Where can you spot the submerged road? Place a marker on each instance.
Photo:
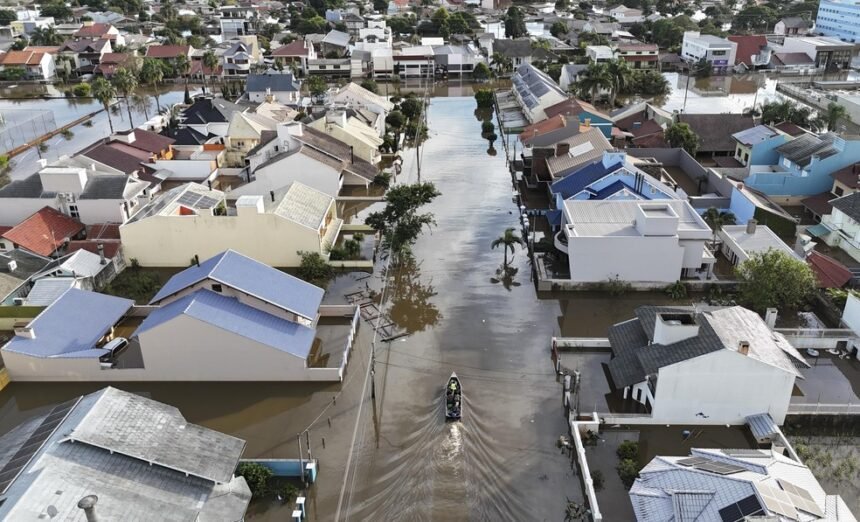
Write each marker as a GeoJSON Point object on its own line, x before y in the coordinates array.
{"type": "Point", "coordinates": [500, 462]}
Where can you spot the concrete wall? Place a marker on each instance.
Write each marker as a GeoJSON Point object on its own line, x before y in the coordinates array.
{"type": "Point", "coordinates": [23, 368]}
{"type": "Point", "coordinates": [631, 258]}
{"type": "Point", "coordinates": [172, 241]}
{"type": "Point", "coordinates": [297, 167]}
{"type": "Point", "coordinates": [851, 313]}
{"type": "Point", "coordinates": [725, 386]}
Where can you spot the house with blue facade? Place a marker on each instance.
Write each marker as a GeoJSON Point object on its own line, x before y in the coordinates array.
{"type": "Point", "coordinates": [757, 145]}
{"type": "Point", "coordinates": [613, 177]}
{"type": "Point", "coordinates": [840, 19]}
{"type": "Point", "coordinates": [799, 167]}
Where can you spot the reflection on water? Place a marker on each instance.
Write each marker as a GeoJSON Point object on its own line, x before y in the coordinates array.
{"type": "Point", "coordinates": [410, 305]}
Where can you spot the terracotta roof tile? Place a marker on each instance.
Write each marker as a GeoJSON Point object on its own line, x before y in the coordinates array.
{"type": "Point", "coordinates": [44, 232]}
{"type": "Point", "coordinates": [848, 176]}
{"type": "Point", "coordinates": [166, 51]}
{"type": "Point", "coordinates": [93, 30]}
{"type": "Point", "coordinates": [829, 272]}
{"type": "Point", "coordinates": [16, 58]}
{"type": "Point", "coordinates": [541, 127]}
{"type": "Point", "coordinates": [294, 48]}
{"type": "Point", "coordinates": [748, 45]}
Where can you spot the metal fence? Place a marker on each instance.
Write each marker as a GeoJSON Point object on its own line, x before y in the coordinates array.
{"type": "Point", "coordinates": [823, 409]}
{"type": "Point", "coordinates": [19, 126]}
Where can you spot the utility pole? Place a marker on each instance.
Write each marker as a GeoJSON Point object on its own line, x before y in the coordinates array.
{"type": "Point", "coordinates": [301, 461]}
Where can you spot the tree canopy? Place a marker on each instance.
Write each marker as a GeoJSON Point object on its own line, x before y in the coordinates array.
{"type": "Point", "coordinates": [400, 222]}
{"type": "Point", "coordinates": [774, 279]}
{"type": "Point", "coordinates": [680, 135]}
{"type": "Point", "coordinates": [515, 23]}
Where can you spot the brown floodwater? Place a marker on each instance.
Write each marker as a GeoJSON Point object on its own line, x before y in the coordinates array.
{"type": "Point", "coordinates": [405, 463]}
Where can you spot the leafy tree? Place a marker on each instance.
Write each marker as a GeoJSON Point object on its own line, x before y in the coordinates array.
{"type": "Point", "coordinates": [830, 117]}
{"type": "Point", "coordinates": [104, 92]}
{"type": "Point", "coordinates": [400, 222]}
{"type": "Point", "coordinates": [717, 220]}
{"type": "Point", "coordinates": [669, 32]}
{"type": "Point", "coordinates": [515, 23]}
{"type": "Point", "coordinates": [58, 11]}
{"type": "Point", "coordinates": [182, 66]}
{"type": "Point", "coordinates": [125, 83]}
{"type": "Point", "coordinates": [628, 449]}
{"type": "Point", "coordinates": [508, 241]}
{"type": "Point", "coordinates": [778, 112]}
{"type": "Point", "coordinates": [402, 24]}
{"type": "Point", "coordinates": [152, 74]}
{"type": "Point", "coordinates": [755, 18]}
{"type": "Point", "coordinates": [7, 17]}
{"type": "Point", "coordinates": [620, 76]}
{"type": "Point", "coordinates": [396, 120]}
{"type": "Point", "coordinates": [628, 472]}
{"type": "Point", "coordinates": [484, 97]}
{"type": "Point", "coordinates": [648, 83]}
{"type": "Point", "coordinates": [774, 279]}
{"type": "Point", "coordinates": [481, 71]}
{"type": "Point", "coordinates": [680, 135]}
{"type": "Point", "coordinates": [257, 476]}
{"type": "Point", "coordinates": [380, 5]}
{"type": "Point", "coordinates": [501, 62]}
{"type": "Point", "coordinates": [458, 24]}
{"type": "Point", "coordinates": [317, 24]}
{"type": "Point", "coordinates": [317, 86]}
{"type": "Point", "coordinates": [703, 69]}
{"type": "Point", "coordinates": [314, 269]}
{"type": "Point", "coordinates": [19, 44]}
{"type": "Point", "coordinates": [370, 85]}
{"type": "Point", "coordinates": [411, 107]}
{"type": "Point", "coordinates": [558, 29]}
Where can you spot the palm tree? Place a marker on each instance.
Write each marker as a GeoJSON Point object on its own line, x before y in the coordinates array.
{"type": "Point", "coordinates": [152, 74]}
{"type": "Point", "coordinates": [104, 92]}
{"type": "Point", "coordinates": [210, 61]}
{"type": "Point", "coordinates": [593, 80]}
{"type": "Point", "coordinates": [46, 36]}
{"type": "Point", "coordinates": [508, 241]}
{"type": "Point", "coordinates": [141, 102]}
{"type": "Point", "coordinates": [831, 116]}
{"type": "Point", "coordinates": [716, 220]}
{"type": "Point", "coordinates": [183, 67]}
{"type": "Point", "coordinates": [125, 83]}
{"type": "Point", "coordinates": [620, 75]}
{"type": "Point", "coordinates": [501, 62]}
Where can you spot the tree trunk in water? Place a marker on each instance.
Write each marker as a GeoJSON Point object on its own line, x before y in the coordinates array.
{"type": "Point", "coordinates": [157, 103]}
{"type": "Point", "coordinates": [128, 106]}
{"type": "Point", "coordinates": [506, 256]}
{"type": "Point", "coordinates": [110, 122]}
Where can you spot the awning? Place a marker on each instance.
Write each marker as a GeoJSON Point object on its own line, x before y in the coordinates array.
{"type": "Point", "coordinates": [818, 230]}
{"type": "Point", "coordinates": [554, 217]}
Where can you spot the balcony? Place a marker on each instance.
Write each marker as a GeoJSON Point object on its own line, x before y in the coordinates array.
{"type": "Point", "coordinates": [561, 241]}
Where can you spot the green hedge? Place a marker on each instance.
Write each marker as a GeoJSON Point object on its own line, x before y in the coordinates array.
{"type": "Point", "coordinates": [20, 311]}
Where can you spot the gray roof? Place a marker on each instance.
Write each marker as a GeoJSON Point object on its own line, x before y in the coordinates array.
{"type": "Point", "coordinates": [71, 326]}
{"type": "Point", "coordinates": [848, 205]}
{"type": "Point", "coordinates": [715, 130]}
{"type": "Point", "coordinates": [795, 22]}
{"type": "Point", "coordinates": [141, 458]}
{"type": "Point", "coordinates": [337, 38]}
{"type": "Point", "coordinates": [634, 358]}
{"type": "Point", "coordinates": [99, 186]}
{"type": "Point", "coordinates": [276, 82]}
{"type": "Point", "coordinates": [585, 148]}
{"type": "Point", "coordinates": [754, 135]}
{"type": "Point", "coordinates": [231, 315]}
{"type": "Point", "coordinates": [304, 205]}
{"type": "Point", "coordinates": [801, 149]}
{"type": "Point", "coordinates": [47, 290]}
{"type": "Point", "coordinates": [251, 277]}
{"type": "Point", "coordinates": [518, 48]}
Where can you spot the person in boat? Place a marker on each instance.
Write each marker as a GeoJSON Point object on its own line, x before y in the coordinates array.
{"type": "Point", "coordinates": [452, 387]}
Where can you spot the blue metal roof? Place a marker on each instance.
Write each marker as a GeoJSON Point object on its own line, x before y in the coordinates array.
{"type": "Point", "coordinates": [229, 314]}
{"type": "Point", "coordinates": [251, 277]}
{"type": "Point", "coordinates": [614, 187]}
{"type": "Point", "coordinates": [72, 325]}
{"type": "Point", "coordinates": [576, 182]}
{"type": "Point", "coordinates": [554, 217]}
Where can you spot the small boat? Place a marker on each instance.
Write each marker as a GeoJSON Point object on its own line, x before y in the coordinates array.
{"type": "Point", "coordinates": [812, 352]}
{"type": "Point", "coordinates": [453, 398]}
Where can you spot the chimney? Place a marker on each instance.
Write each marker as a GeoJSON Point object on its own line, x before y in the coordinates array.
{"type": "Point", "coordinates": [587, 122]}
{"type": "Point", "coordinates": [770, 317]}
{"type": "Point", "coordinates": [751, 224]}
{"type": "Point", "coordinates": [744, 347]}
{"type": "Point", "coordinates": [101, 249]}
{"type": "Point", "coordinates": [24, 330]}
{"type": "Point", "coordinates": [562, 148]}
{"type": "Point", "coordinates": [88, 504]}
{"type": "Point", "coordinates": [196, 260]}
{"type": "Point", "coordinates": [272, 195]}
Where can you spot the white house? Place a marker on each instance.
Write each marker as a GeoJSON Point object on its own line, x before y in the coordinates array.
{"type": "Point", "coordinates": [843, 225]}
{"type": "Point", "coordinates": [599, 53]}
{"type": "Point", "coordinates": [643, 242]}
{"type": "Point", "coordinates": [312, 157]}
{"type": "Point", "coordinates": [716, 367]}
{"type": "Point", "coordinates": [535, 91]}
{"type": "Point", "coordinates": [570, 75]}
{"type": "Point", "coordinates": [719, 52]}
{"type": "Point", "coordinates": [626, 15]}
{"type": "Point", "coordinates": [191, 221]}
{"type": "Point", "coordinates": [733, 484]}
{"type": "Point", "coordinates": [354, 95]}
{"type": "Point", "coordinates": [282, 88]}
{"type": "Point", "coordinates": [363, 139]}
{"type": "Point", "coordinates": [739, 242]}
{"type": "Point", "coordinates": [35, 63]}
{"type": "Point", "coordinates": [88, 195]}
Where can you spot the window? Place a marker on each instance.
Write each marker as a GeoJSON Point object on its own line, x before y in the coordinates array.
{"type": "Point", "coordinates": [73, 211]}
{"type": "Point", "coordinates": [838, 190]}
{"type": "Point", "coordinates": [217, 288]}
{"type": "Point", "coordinates": [322, 67]}
{"type": "Point", "coordinates": [2, 246]}
{"type": "Point", "coordinates": [786, 163]}
{"type": "Point", "coordinates": [718, 53]}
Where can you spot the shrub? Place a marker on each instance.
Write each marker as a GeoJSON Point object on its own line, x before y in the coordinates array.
{"type": "Point", "coordinates": [257, 476]}
{"type": "Point", "coordinates": [597, 478]}
{"type": "Point", "coordinates": [88, 123]}
{"type": "Point", "coordinates": [615, 286]}
{"type": "Point", "coordinates": [629, 449]}
{"type": "Point", "coordinates": [289, 492]}
{"type": "Point", "coordinates": [314, 269]}
{"type": "Point", "coordinates": [82, 90]}
{"type": "Point", "coordinates": [484, 97]}
{"type": "Point", "coordinates": [628, 472]}
{"type": "Point", "coordinates": [68, 134]}
{"type": "Point", "coordinates": [43, 147]}
{"type": "Point", "coordinates": [676, 290]}
{"type": "Point", "coordinates": [487, 127]}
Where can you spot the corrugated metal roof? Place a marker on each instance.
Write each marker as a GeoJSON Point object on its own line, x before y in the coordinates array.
{"type": "Point", "coordinates": [228, 313]}
{"type": "Point", "coordinates": [304, 205]}
{"type": "Point", "coordinates": [47, 290]}
{"type": "Point", "coordinates": [560, 166]}
{"type": "Point", "coordinates": [251, 277]}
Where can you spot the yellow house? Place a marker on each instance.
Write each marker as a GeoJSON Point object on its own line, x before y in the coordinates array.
{"type": "Point", "coordinates": [362, 138]}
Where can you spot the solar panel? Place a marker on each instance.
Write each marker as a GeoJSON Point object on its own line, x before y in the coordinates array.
{"type": "Point", "coordinates": [720, 468]}
{"type": "Point", "coordinates": [745, 507]}
{"type": "Point", "coordinates": [776, 500]}
{"type": "Point", "coordinates": [801, 498]}
{"type": "Point", "coordinates": [207, 202]}
{"type": "Point", "coordinates": [33, 443]}
{"type": "Point", "coordinates": [189, 199]}
{"type": "Point", "coordinates": [692, 461]}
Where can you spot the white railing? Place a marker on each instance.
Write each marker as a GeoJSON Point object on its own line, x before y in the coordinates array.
{"type": "Point", "coordinates": [561, 242]}
{"type": "Point", "coordinates": [818, 333]}
{"type": "Point", "coordinates": [823, 409]}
